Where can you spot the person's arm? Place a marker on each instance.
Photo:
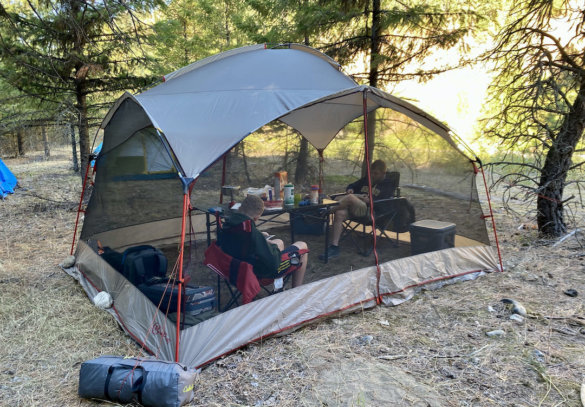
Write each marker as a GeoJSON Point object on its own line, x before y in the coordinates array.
{"type": "Point", "coordinates": [356, 186]}
{"type": "Point", "coordinates": [266, 254]}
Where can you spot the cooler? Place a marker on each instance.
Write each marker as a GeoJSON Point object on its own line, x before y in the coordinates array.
{"type": "Point", "coordinates": [196, 299]}
{"type": "Point", "coordinates": [430, 235]}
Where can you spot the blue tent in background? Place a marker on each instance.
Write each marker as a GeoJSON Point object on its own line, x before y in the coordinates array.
{"type": "Point", "coordinates": [7, 180]}
{"type": "Point", "coordinates": [95, 153]}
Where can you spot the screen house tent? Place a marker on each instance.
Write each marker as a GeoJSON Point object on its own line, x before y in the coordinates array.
{"type": "Point", "coordinates": [7, 180]}
{"type": "Point", "coordinates": [160, 146]}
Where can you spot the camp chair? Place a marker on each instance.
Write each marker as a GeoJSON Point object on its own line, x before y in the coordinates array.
{"type": "Point", "coordinates": [238, 275]}
{"type": "Point", "coordinates": [234, 273]}
{"type": "Point", "coordinates": [391, 213]}
{"type": "Point", "coordinates": [239, 278]}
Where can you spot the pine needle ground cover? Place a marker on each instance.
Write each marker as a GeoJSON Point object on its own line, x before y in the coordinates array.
{"type": "Point", "coordinates": [433, 349]}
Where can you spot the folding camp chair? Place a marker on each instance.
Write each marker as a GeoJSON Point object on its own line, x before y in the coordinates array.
{"type": "Point", "coordinates": [390, 214]}
{"type": "Point", "coordinates": [394, 214]}
{"type": "Point", "coordinates": [238, 275]}
{"type": "Point", "coordinates": [239, 278]}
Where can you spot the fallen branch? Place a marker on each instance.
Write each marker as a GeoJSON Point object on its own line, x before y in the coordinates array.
{"type": "Point", "coordinates": [475, 352]}
{"type": "Point", "coordinates": [577, 320]}
{"type": "Point", "coordinates": [392, 357]}
{"type": "Point", "coordinates": [562, 239]}
{"type": "Point", "coordinates": [48, 199]}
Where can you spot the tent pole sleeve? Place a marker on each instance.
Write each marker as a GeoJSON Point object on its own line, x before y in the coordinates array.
{"type": "Point", "coordinates": [491, 215]}
{"type": "Point", "coordinates": [372, 217]}
{"type": "Point", "coordinates": [79, 210]}
{"type": "Point", "coordinates": [181, 282]}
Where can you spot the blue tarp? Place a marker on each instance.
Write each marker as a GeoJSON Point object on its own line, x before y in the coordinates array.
{"type": "Point", "coordinates": [96, 152]}
{"type": "Point", "coordinates": [7, 180]}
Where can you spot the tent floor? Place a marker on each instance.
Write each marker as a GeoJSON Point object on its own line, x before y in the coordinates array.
{"type": "Point", "coordinates": [349, 258]}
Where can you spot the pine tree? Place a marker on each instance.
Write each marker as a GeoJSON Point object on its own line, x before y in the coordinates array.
{"type": "Point", "coordinates": [74, 55]}
{"type": "Point", "coordinates": [393, 39]}
{"type": "Point", "coordinates": [539, 98]}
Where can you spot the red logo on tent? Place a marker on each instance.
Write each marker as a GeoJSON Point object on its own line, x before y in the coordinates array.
{"type": "Point", "coordinates": [158, 330]}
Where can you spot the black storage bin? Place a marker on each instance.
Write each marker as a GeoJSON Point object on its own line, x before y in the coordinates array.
{"type": "Point", "coordinates": [311, 221]}
{"type": "Point", "coordinates": [430, 235]}
{"type": "Point", "coordinates": [195, 300]}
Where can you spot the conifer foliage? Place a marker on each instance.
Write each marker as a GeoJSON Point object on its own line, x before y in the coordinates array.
{"type": "Point", "coordinates": [68, 55]}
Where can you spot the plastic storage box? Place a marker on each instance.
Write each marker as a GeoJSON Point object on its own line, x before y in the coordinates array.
{"type": "Point", "coordinates": [196, 299]}
{"type": "Point", "coordinates": [430, 235]}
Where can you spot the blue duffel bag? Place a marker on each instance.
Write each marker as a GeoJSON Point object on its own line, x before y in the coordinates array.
{"type": "Point", "coordinates": [150, 382]}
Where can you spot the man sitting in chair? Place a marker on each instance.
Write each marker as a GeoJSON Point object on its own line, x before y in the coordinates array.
{"type": "Point", "coordinates": [354, 202]}
{"type": "Point", "coordinates": [239, 238]}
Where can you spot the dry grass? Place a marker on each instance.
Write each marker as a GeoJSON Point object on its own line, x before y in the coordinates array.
{"type": "Point", "coordinates": [434, 348]}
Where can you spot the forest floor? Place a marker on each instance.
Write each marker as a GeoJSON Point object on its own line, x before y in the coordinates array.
{"type": "Point", "coordinates": [430, 351]}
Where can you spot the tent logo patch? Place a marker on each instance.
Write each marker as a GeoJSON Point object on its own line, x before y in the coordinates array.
{"type": "Point", "coordinates": [158, 330]}
{"type": "Point", "coordinates": [188, 388]}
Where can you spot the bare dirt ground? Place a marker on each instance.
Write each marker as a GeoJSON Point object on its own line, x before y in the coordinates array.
{"type": "Point", "coordinates": [430, 351]}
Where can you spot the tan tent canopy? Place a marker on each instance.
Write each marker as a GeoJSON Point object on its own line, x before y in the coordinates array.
{"type": "Point", "coordinates": [206, 108]}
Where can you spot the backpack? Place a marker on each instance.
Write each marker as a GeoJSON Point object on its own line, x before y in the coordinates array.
{"type": "Point", "coordinates": [404, 218]}
{"type": "Point", "coordinates": [142, 263]}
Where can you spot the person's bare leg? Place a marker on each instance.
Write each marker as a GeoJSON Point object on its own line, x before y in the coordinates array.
{"type": "Point", "coordinates": [338, 219]}
{"type": "Point", "coordinates": [345, 202]}
{"type": "Point", "coordinates": [299, 274]}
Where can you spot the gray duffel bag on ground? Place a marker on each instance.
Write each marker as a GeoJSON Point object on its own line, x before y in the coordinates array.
{"type": "Point", "coordinates": [150, 382]}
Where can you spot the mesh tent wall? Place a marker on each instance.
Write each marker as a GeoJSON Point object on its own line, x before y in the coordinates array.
{"type": "Point", "coordinates": [158, 144]}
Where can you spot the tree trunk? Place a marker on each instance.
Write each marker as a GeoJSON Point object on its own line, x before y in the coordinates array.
{"type": "Point", "coordinates": [74, 148]}
{"type": "Point", "coordinates": [550, 217]}
{"type": "Point", "coordinates": [227, 24]}
{"type": "Point", "coordinates": [245, 161]}
{"type": "Point", "coordinates": [375, 46]}
{"type": "Point", "coordinates": [20, 141]}
{"type": "Point", "coordinates": [186, 49]}
{"type": "Point", "coordinates": [83, 128]}
{"type": "Point", "coordinates": [302, 169]}
{"type": "Point", "coordinates": [45, 141]}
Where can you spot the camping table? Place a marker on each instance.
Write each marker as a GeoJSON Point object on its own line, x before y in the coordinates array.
{"type": "Point", "coordinates": [271, 214]}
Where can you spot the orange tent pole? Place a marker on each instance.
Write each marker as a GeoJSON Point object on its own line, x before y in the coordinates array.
{"type": "Point", "coordinates": [79, 210]}
{"type": "Point", "coordinates": [491, 215]}
{"type": "Point", "coordinates": [181, 281]}
{"type": "Point", "coordinates": [367, 157]}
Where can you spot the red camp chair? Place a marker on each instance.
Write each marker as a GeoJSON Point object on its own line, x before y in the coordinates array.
{"type": "Point", "coordinates": [237, 275]}
{"type": "Point", "coordinates": [234, 273]}
{"type": "Point", "coordinates": [239, 278]}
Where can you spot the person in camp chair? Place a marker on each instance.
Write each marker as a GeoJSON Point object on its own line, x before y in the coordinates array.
{"type": "Point", "coordinates": [355, 201]}
{"type": "Point", "coordinates": [239, 238]}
